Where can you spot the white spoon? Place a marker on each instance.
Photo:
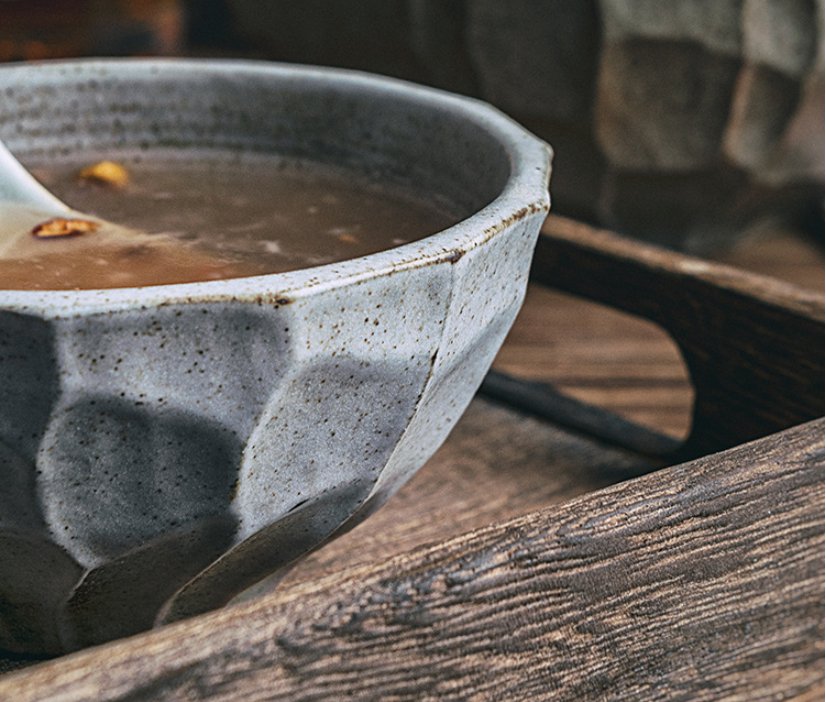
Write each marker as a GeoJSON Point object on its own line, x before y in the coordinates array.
{"type": "Point", "coordinates": [26, 206]}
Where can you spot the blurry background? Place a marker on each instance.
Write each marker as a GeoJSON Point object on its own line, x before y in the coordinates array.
{"type": "Point", "coordinates": [686, 122]}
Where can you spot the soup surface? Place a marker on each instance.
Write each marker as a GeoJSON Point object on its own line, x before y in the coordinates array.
{"type": "Point", "coordinates": [219, 216]}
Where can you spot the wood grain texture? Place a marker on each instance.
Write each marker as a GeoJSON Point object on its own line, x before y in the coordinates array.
{"type": "Point", "coordinates": [702, 581]}
{"type": "Point", "coordinates": [600, 356]}
{"type": "Point", "coordinates": [496, 465]}
{"type": "Point", "coordinates": [753, 346]}
{"type": "Point", "coordinates": [628, 365]}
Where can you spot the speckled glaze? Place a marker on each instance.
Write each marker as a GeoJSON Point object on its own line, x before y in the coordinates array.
{"type": "Point", "coordinates": [164, 448]}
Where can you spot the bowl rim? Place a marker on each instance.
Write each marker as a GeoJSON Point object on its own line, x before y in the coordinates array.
{"type": "Point", "coordinates": [524, 193]}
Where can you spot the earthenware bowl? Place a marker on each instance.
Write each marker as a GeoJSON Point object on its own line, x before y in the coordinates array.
{"type": "Point", "coordinates": [164, 448]}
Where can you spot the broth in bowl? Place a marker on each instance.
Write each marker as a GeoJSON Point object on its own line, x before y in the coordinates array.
{"type": "Point", "coordinates": [213, 217]}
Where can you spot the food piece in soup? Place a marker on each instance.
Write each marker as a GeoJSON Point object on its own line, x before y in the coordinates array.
{"type": "Point", "coordinates": [60, 226]}
{"type": "Point", "coordinates": [105, 173]}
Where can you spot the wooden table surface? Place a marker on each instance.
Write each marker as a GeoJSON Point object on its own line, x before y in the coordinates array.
{"type": "Point", "coordinates": [597, 354]}
{"type": "Point", "coordinates": [499, 464]}
{"type": "Point", "coordinates": [626, 364]}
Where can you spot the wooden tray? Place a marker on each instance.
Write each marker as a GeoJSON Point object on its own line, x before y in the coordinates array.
{"type": "Point", "coordinates": [539, 554]}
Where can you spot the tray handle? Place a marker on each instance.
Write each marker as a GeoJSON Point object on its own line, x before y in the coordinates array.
{"type": "Point", "coordinates": [753, 346]}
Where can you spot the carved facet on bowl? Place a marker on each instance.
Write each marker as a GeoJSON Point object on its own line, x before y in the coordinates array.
{"type": "Point", "coordinates": [164, 448]}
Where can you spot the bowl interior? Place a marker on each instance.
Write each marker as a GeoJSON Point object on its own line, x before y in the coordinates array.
{"type": "Point", "coordinates": [391, 132]}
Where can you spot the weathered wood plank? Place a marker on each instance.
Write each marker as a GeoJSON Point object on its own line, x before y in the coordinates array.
{"type": "Point", "coordinates": [624, 363]}
{"type": "Point", "coordinates": [753, 346]}
{"type": "Point", "coordinates": [598, 355]}
{"type": "Point", "coordinates": [702, 581]}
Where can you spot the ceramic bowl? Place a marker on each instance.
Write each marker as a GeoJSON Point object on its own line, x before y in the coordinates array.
{"type": "Point", "coordinates": [163, 448]}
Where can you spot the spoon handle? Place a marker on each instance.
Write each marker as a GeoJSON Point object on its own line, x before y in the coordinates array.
{"type": "Point", "coordinates": [18, 186]}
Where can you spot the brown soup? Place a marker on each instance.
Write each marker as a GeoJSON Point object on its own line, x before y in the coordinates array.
{"type": "Point", "coordinates": [213, 218]}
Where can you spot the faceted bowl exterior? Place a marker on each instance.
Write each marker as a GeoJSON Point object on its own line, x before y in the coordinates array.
{"type": "Point", "coordinates": [164, 448]}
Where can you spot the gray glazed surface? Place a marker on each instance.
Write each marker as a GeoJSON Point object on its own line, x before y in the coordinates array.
{"type": "Point", "coordinates": [164, 448]}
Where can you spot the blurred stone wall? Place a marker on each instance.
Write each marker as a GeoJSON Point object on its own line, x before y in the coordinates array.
{"type": "Point", "coordinates": [32, 30]}
{"type": "Point", "coordinates": [681, 121]}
